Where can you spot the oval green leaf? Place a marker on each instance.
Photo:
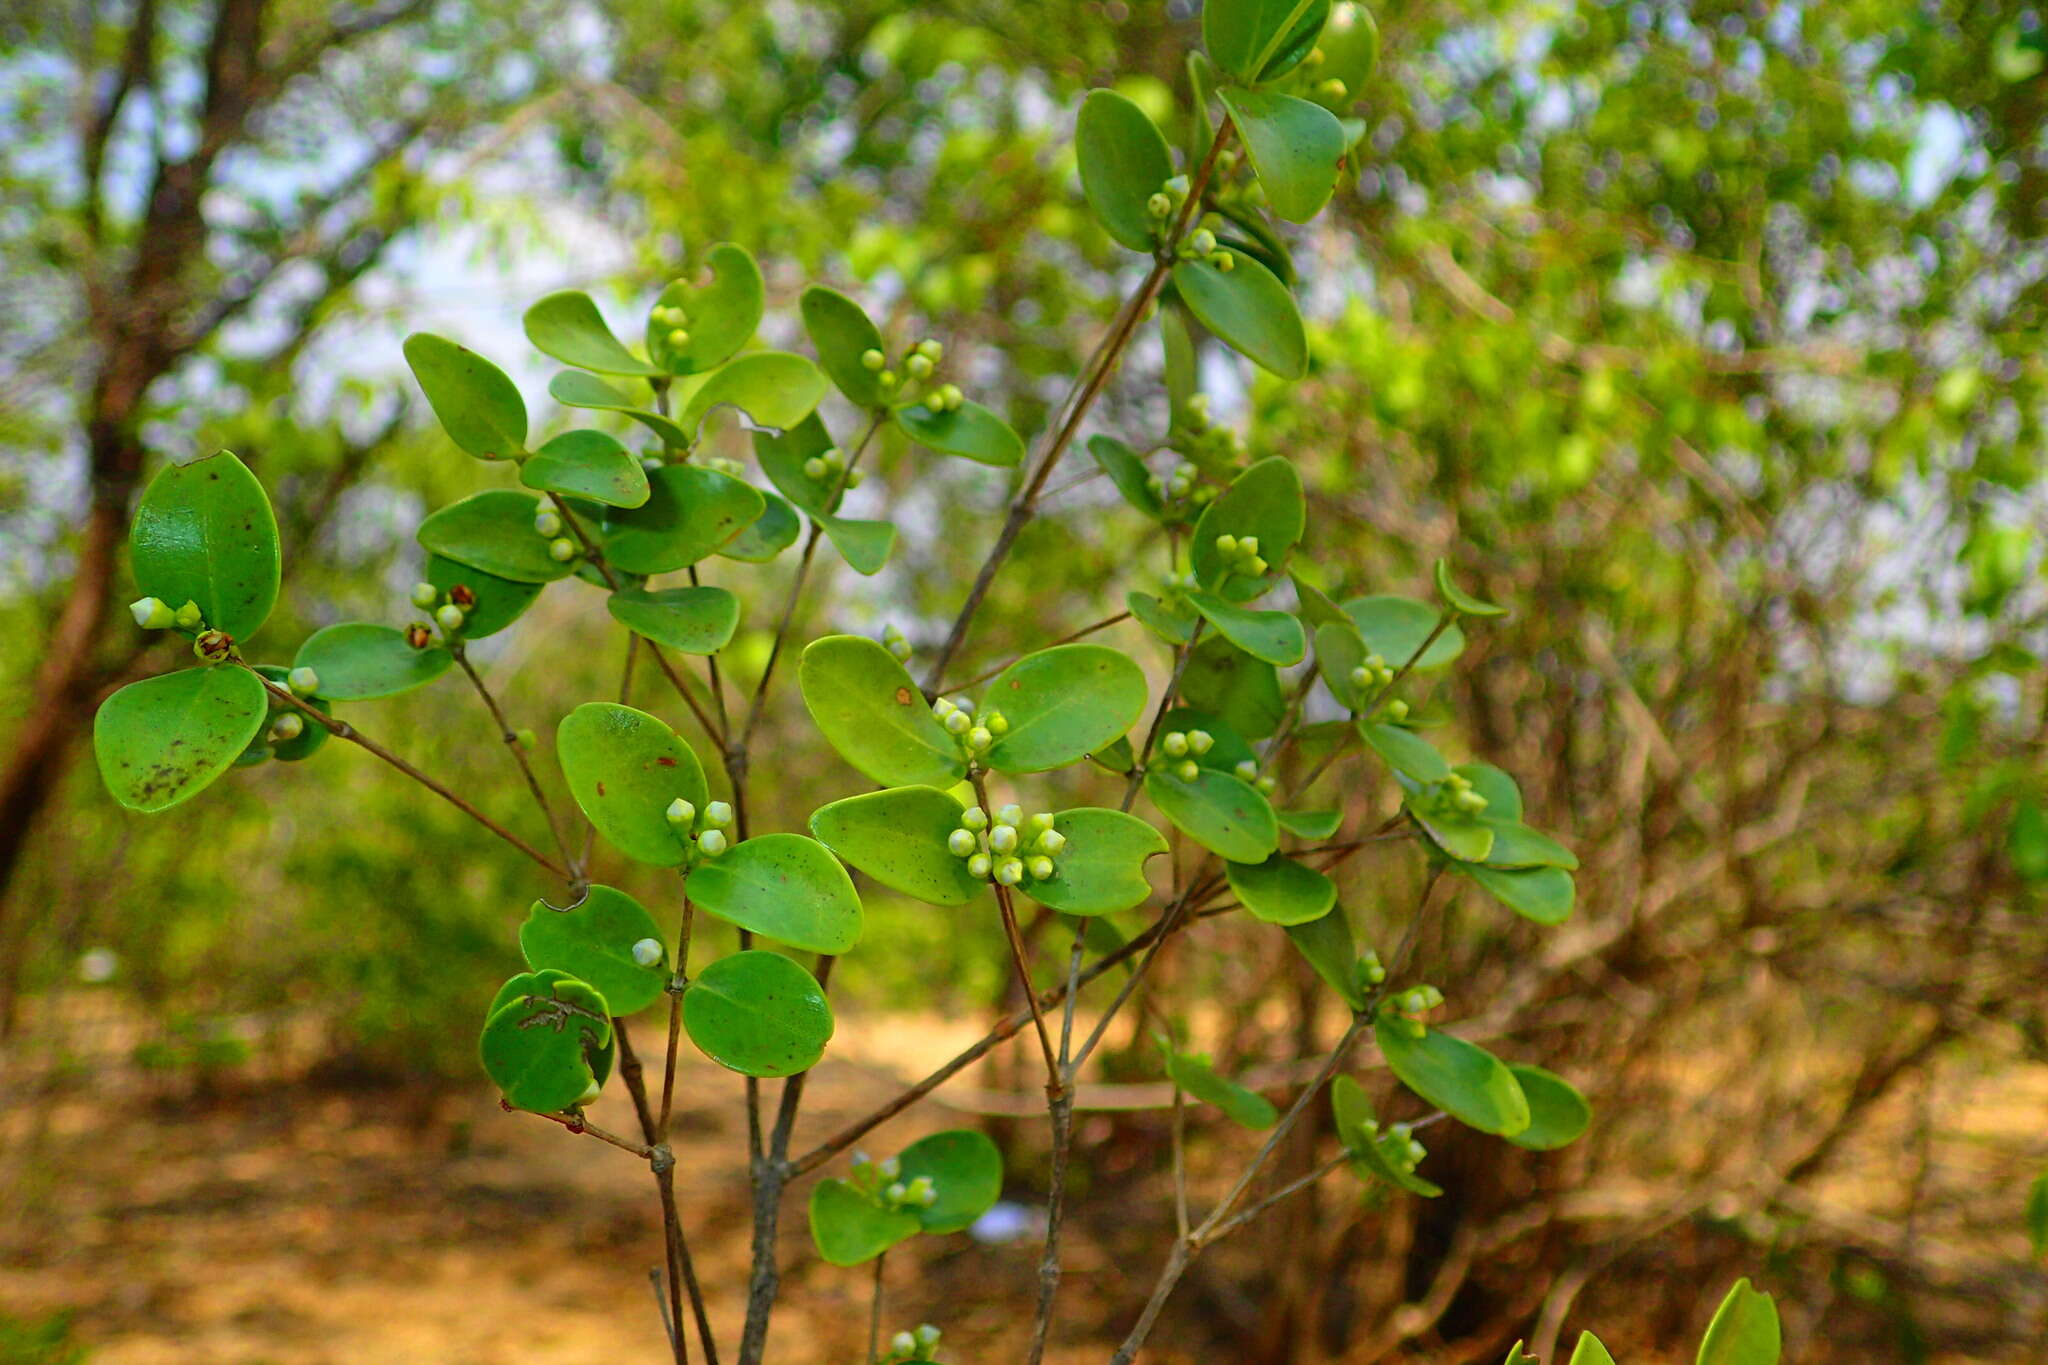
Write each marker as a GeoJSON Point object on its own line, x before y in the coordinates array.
{"type": "Point", "coordinates": [1328, 946]}
{"type": "Point", "coordinates": [204, 532]}
{"type": "Point", "coordinates": [1240, 1105]}
{"type": "Point", "coordinates": [1249, 310]}
{"type": "Point", "coordinates": [875, 716]}
{"type": "Point", "coordinates": [1296, 147]}
{"type": "Point", "coordinates": [696, 620]}
{"type": "Point", "coordinates": [966, 1171]}
{"type": "Point", "coordinates": [477, 406]}
{"type": "Point", "coordinates": [1744, 1330]}
{"type": "Point", "coordinates": [359, 661]}
{"type": "Point", "coordinates": [690, 513]}
{"type": "Point", "coordinates": [539, 1045]}
{"type": "Point", "coordinates": [850, 1227]}
{"type": "Point", "coordinates": [898, 837]}
{"type": "Point", "coordinates": [1558, 1113]}
{"type": "Point", "coordinates": [773, 388]}
{"type": "Point", "coordinates": [1395, 627]}
{"type": "Point", "coordinates": [1062, 703]}
{"type": "Point", "coordinates": [1219, 811]}
{"type": "Point", "coordinates": [759, 1014]}
{"type": "Point", "coordinates": [774, 531]}
{"type": "Point", "coordinates": [1464, 1080]}
{"type": "Point", "coordinates": [493, 531]}
{"type": "Point", "coordinates": [567, 326]}
{"type": "Point", "coordinates": [864, 545]}
{"type": "Point", "coordinates": [1128, 472]}
{"type": "Point", "coordinates": [164, 739]}
{"type": "Point", "coordinates": [1272, 636]}
{"type": "Point", "coordinates": [592, 941]}
{"type": "Point", "coordinates": [842, 332]}
{"type": "Point", "coordinates": [722, 314]}
{"type": "Point", "coordinates": [1102, 868]}
{"type": "Point", "coordinates": [1244, 692]}
{"type": "Point", "coordinates": [587, 464]}
{"type": "Point", "coordinates": [1281, 890]}
{"type": "Point", "coordinates": [1542, 894]}
{"type": "Point", "coordinates": [573, 388]}
{"type": "Point", "coordinates": [625, 768]}
{"type": "Point", "coordinates": [784, 887]}
{"type": "Point", "coordinates": [1404, 751]}
{"type": "Point", "coordinates": [1124, 162]}
{"type": "Point", "coordinates": [970, 431]}
{"type": "Point", "coordinates": [1266, 502]}
{"type": "Point", "coordinates": [498, 601]}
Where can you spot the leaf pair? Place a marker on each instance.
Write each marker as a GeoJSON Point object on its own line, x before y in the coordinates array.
{"type": "Point", "coordinates": [1527, 1105]}
{"type": "Point", "coordinates": [852, 1224]}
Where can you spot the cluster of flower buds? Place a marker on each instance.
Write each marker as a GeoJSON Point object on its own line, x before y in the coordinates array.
{"type": "Point", "coordinates": [1417, 1000]}
{"type": "Point", "coordinates": [1370, 970]}
{"type": "Point", "coordinates": [677, 321]}
{"type": "Point", "coordinates": [893, 640]}
{"type": "Point", "coordinates": [1186, 746]}
{"type": "Point", "coordinates": [547, 523]}
{"type": "Point", "coordinates": [831, 466]}
{"type": "Point", "coordinates": [1008, 848]}
{"type": "Point", "coordinates": [153, 613]}
{"type": "Point", "coordinates": [1241, 554]}
{"type": "Point", "coordinates": [1457, 793]}
{"type": "Point", "coordinates": [1374, 672]}
{"type": "Point", "coordinates": [907, 1347]}
{"type": "Point", "coordinates": [718, 464]}
{"type": "Point", "coordinates": [1248, 771]}
{"type": "Point", "coordinates": [1181, 486]}
{"type": "Point", "coordinates": [882, 1180]}
{"type": "Point", "coordinates": [920, 364]}
{"type": "Point", "coordinates": [451, 609]}
{"type": "Point", "coordinates": [1201, 246]}
{"type": "Point", "coordinates": [708, 825]}
{"type": "Point", "coordinates": [1397, 1144]}
{"type": "Point", "coordinates": [975, 735]}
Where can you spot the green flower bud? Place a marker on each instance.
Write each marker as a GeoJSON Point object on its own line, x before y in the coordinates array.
{"type": "Point", "coordinates": [711, 842]}
{"type": "Point", "coordinates": [561, 549]}
{"type": "Point", "coordinates": [1205, 495]}
{"type": "Point", "coordinates": [677, 339]}
{"type": "Point", "coordinates": [1159, 205]}
{"type": "Point", "coordinates": [1416, 1151]}
{"type": "Point", "coordinates": [922, 1191]}
{"type": "Point", "coordinates": [961, 843]}
{"type": "Point", "coordinates": [931, 350]}
{"type": "Point", "coordinates": [1267, 785]}
{"type": "Point", "coordinates": [1188, 770]}
{"type": "Point", "coordinates": [528, 740]}
{"type": "Point", "coordinates": [927, 1335]}
{"type": "Point", "coordinates": [718, 814]}
{"type": "Point", "coordinates": [919, 366]}
{"type": "Point", "coordinates": [979, 865]}
{"type": "Point", "coordinates": [1247, 546]}
{"type": "Point", "coordinates": [425, 595]}
{"type": "Point", "coordinates": [303, 682]}
{"type": "Point", "coordinates": [1246, 769]}
{"type": "Point", "coordinates": [997, 724]}
{"type": "Point", "coordinates": [1011, 815]}
{"type": "Point", "coordinates": [1316, 57]}
{"type": "Point", "coordinates": [899, 647]}
{"type": "Point", "coordinates": [1052, 841]}
{"type": "Point", "coordinates": [872, 359]}
{"type": "Point", "coordinates": [855, 477]}
{"type": "Point", "coordinates": [1009, 872]}
{"type": "Point", "coordinates": [1175, 744]}
{"type": "Point", "coordinates": [896, 1193]}
{"type": "Point", "coordinates": [815, 470]}
{"type": "Point", "coordinates": [449, 618]}
{"type": "Point", "coordinates": [834, 458]}
{"type": "Point", "coordinates": [953, 396]}
{"type": "Point", "coordinates": [891, 1168]}
{"type": "Point", "coordinates": [1375, 662]}
{"type": "Point", "coordinates": [152, 613]}
{"type": "Point", "coordinates": [979, 738]}
{"type": "Point", "coordinates": [681, 813]}
{"type": "Point", "coordinates": [189, 616]}
{"type": "Point", "coordinates": [1255, 566]}
{"type": "Point", "coordinates": [903, 1343]}
{"type": "Point", "coordinates": [1226, 545]}
{"type": "Point", "coordinates": [1040, 868]}
{"type": "Point", "coordinates": [1003, 839]}
{"type": "Point", "coordinates": [286, 726]}
{"type": "Point", "coordinates": [1458, 782]}
{"type": "Point", "coordinates": [887, 379]}
{"type": "Point", "coordinates": [974, 817]}
{"type": "Point", "coordinates": [1203, 241]}
{"type": "Point", "coordinates": [213, 645]}
{"type": "Point", "coordinates": [1178, 487]}
{"type": "Point", "coordinates": [1332, 89]}
{"type": "Point", "coordinates": [1201, 741]}
{"type": "Point", "coordinates": [647, 952]}
{"type": "Point", "coordinates": [1397, 709]}
{"type": "Point", "coordinates": [1039, 823]}
{"type": "Point", "coordinates": [1222, 260]}
{"type": "Point", "coordinates": [958, 722]}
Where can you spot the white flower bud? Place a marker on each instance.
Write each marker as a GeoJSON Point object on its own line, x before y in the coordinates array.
{"type": "Point", "coordinates": [943, 707]}
{"type": "Point", "coordinates": [1202, 241]}
{"type": "Point", "coordinates": [979, 738]}
{"type": "Point", "coordinates": [449, 618]}
{"type": "Point", "coordinates": [979, 866]}
{"type": "Point", "coordinates": [1003, 839]}
{"type": "Point", "coordinates": [896, 1193]}
{"type": "Point", "coordinates": [872, 359]}
{"type": "Point", "coordinates": [561, 549]}
{"type": "Point", "coordinates": [1010, 871]}
{"type": "Point", "coordinates": [1361, 677]}
{"type": "Point", "coordinates": [961, 843]}
{"type": "Point", "coordinates": [1011, 815]}
{"type": "Point", "coordinates": [189, 616]}
{"type": "Point", "coordinates": [1246, 769]}
{"type": "Point", "coordinates": [1175, 744]}
{"type": "Point", "coordinates": [958, 723]}
{"type": "Point", "coordinates": [303, 681]}
{"type": "Point", "coordinates": [1200, 741]}
{"type": "Point", "coordinates": [718, 814]}
{"type": "Point", "coordinates": [425, 595]}
{"type": "Point", "coordinates": [1052, 841]}
{"type": "Point", "coordinates": [681, 813]}
{"type": "Point", "coordinates": [974, 817]}
{"type": "Point", "coordinates": [1039, 823]}
{"type": "Point", "coordinates": [891, 1168]}
{"type": "Point", "coordinates": [966, 704]}
{"type": "Point", "coordinates": [153, 613]}
{"type": "Point", "coordinates": [547, 523]}
{"type": "Point", "coordinates": [285, 727]}
{"type": "Point", "coordinates": [711, 842]}
{"type": "Point", "coordinates": [647, 952]}
{"type": "Point", "coordinates": [903, 1343]}
{"type": "Point", "coordinates": [1040, 868]}
{"type": "Point", "coordinates": [855, 477]}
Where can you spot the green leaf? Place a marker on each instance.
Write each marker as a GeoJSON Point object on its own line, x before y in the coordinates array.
{"type": "Point", "coordinates": [1310, 824]}
{"type": "Point", "coordinates": [1589, 1351]}
{"type": "Point", "coordinates": [1503, 797]}
{"type": "Point", "coordinates": [1404, 751]}
{"type": "Point", "coordinates": [773, 388]}
{"type": "Point", "coordinates": [759, 1014]}
{"type": "Point", "coordinates": [722, 314]}
{"type": "Point", "coordinates": [1543, 894]}
{"type": "Point", "coordinates": [1115, 758]}
{"type": "Point", "coordinates": [966, 1171]}
{"type": "Point", "coordinates": [692, 620]}
{"type": "Point", "coordinates": [1124, 162]}
{"type": "Point", "coordinates": [1395, 627]}
{"type": "Point", "coordinates": [493, 531]}
{"type": "Point", "coordinates": [1061, 704]}
{"type": "Point", "coordinates": [1458, 600]}
{"type": "Point", "coordinates": [1222, 813]}
{"type": "Point", "coordinates": [358, 661]}
{"type": "Point", "coordinates": [1102, 868]}
{"type": "Point", "coordinates": [1281, 890]}
{"type": "Point", "coordinates": [842, 332]}
{"type": "Point", "coordinates": [1373, 1152]}
{"type": "Point", "coordinates": [1516, 1356]}
{"type": "Point", "coordinates": [567, 326]}
{"type": "Point", "coordinates": [970, 431]}
{"type": "Point", "coordinates": [1241, 1106]}
{"type": "Point", "coordinates": [1243, 691]}
{"type": "Point", "coordinates": [592, 941]}
{"type": "Point", "coordinates": [875, 716]}
{"type": "Point", "coordinates": [587, 464]}
{"type": "Point", "coordinates": [538, 1045]}
{"type": "Point", "coordinates": [1249, 310]}
{"type": "Point", "coordinates": [1296, 147]}
{"type": "Point", "coordinates": [864, 545]}
{"type": "Point", "coordinates": [1462, 836]}
{"type": "Point", "coordinates": [1128, 472]}
{"type": "Point", "coordinates": [1227, 748]}
{"type": "Point", "coordinates": [2026, 840]}
{"type": "Point", "coordinates": [784, 887]}
{"type": "Point", "coordinates": [1461, 1078]}
{"type": "Point", "coordinates": [1272, 636]}
{"type": "Point", "coordinates": [1264, 501]}
{"type": "Point", "coordinates": [1261, 39]}
{"type": "Point", "coordinates": [1170, 623]}
{"type": "Point", "coordinates": [477, 406]}
{"type": "Point", "coordinates": [625, 768]}
{"type": "Point", "coordinates": [499, 601]}
{"type": "Point", "coordinates": [162, 740]}
{"type": "Point", "coordinates": [898, 837]}
{"type": "Point", "coordinates": [774, 531]}
{"type": "Point", "coordinates": [1744, 1330]}
{"type": "Point", "coordinates": [1558, 1113]}
{"type": "Point", "coordinates": [1351, 47]}
{"type": "Point", "coordinates": [850, 1227]}
{"type": "Point", "coordinates": [1316, 608]}
{"type": "Point", "coordinates": [203, 532]}
{"type": "Point", "coordinates": [2036, 1215]}
{"type": "Point", "coordinates": [1330, 949]}
{"type": "Point", "coordinates": [573, 388]}
{"type": "Point", "coordinates": [782, 457]}
{"type": "Point", "coordinates": [301, 746]}
{"type": "Point", "coordinates": [689, 514]}
{"type": "Point", "coordinates": [1516, 846]}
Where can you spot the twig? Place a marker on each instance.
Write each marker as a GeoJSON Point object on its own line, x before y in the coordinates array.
{"type": "Point", "coordinates": [577, 880]}
{"type": "Point", "coordinates": [875, 1314]}
{"type": "Point", "coordinates": [1081, 634]}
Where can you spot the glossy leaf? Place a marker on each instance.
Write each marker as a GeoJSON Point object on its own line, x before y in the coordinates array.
{"type": "Point", "coordinates": [774, 531]}
{"type": "Point", "coordinates": [1261, 39]}
{"type": "Point", "coordinates": [898, 837]}
{"type": "Point", "coordinates": [2035, 1215]}
{"type": "Point", "coordinates": [592, 941]}
{"type": "Point", "coordinates": [1542, 894]}
{"type": "Point", "coordinates": [864, 545]}
{"type": "Point", "coordinates": [164, 739]}
{"type": "Point", "coordinates": [1404, 751]}
{"type": "Point", "coordinates": [477, 406]}
{"type": "Point", "coordinates": [850, 1227]}
{"type": "Point", "coordinates": [1296, 147]}
{"type": "Point", "coordinates": [759, 1014]}
{"type": "Point", "coordinates": [1240, 1105]}
{"type": "Point", "coordinates": [722, 314]}
{"type": "Point", "coordinates": [966, 1171]}
{"type": "Point", "coordinates": [1462, 836]}
{"type": "Point", "coordinates": [1460, 601]}
{"type": "Point", "coordinates": [573, 388]}
{"type": "Point", "coordinates": [1222, 813]}
{"type": "Point", "coordinates": [1465, 1080]}
{"type": "Point", "coordinates": [538, 1045]}
{"type": "Point", "coordinates": [624, 768]}
{"type": "Point", "coordinates": [1503, 797]}
{"type": "Point", "coordinates": [1102, 868]}
{"type": "Point", "coordinates": [1351, 45]}
{"type": "Point", "coordinates": [1281, 890]}
{"type": "Point", "coordinates": [1227, 748]}
{"type": "Point", "coordinates": [696, 620]}
{"type": "Point", "coordinates": [782, 456]}
{"type": "Point", "coordinates": [567, 326]}
{"type": "Point", "coordinates": [1310, 824]}
{"type": "Point", "coordinates": [498, 602]}
{"type": "Point", "coordinates": [1744, 1330]}
{"type": "Point", "coordinates": [203, 532]}
{"type": "Point", "coordinates": [785, 887]}
{"type": "Point", "coordinates": [1062, 703]}
{"type": "Point", "coordinates": [842, 332]}
{"type": "Point", "coordinates": [359, 661]}
{"type": "Point", "coordinates": [1558, 1113]}
{"type": "Point", "coordinates": [1515, 846]}
{"type": "Point", "coordinates": [493, 531]}
{"type": "Point", "coordinates": [1370, 1149]}
{"type": "Point", "coordinates": [1395, 627]}
{"type": "Point", "coordinates": [874, 715]}
{"type": "Point", "coordinates": [1272, 636]}
{"type": "Point", "coordinates": [1172, 624]}
{"type": "Point", "coordinates": [689, 514]}
{"type": "Point", "coordinates": [1124, 161]}
{"type": "Point", "coordinates": [587, 464]}
{"type": "Point", "coordinates": [1249, 310]}
{"type": "Point", "coordinates": [1243, 691]}
{"type": "Point", "coordinates": [773, 388]}
{"type": "Point", "coordinates": [970, 431]}
{"type": "Point", "coordinates": [1590, 1351]}
{"type": "Point", "coordinates": [302, 745]}
{"type": "Point", "coordinates": [1264, 501]}
{"type": "Point", "coordinates": [1128, 472]}
{"type": "Point", "coordinates": [1328, 946]}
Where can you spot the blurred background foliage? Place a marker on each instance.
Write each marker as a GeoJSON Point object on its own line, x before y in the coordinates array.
{"type": "Point", "coordinates": [1704, 334]}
